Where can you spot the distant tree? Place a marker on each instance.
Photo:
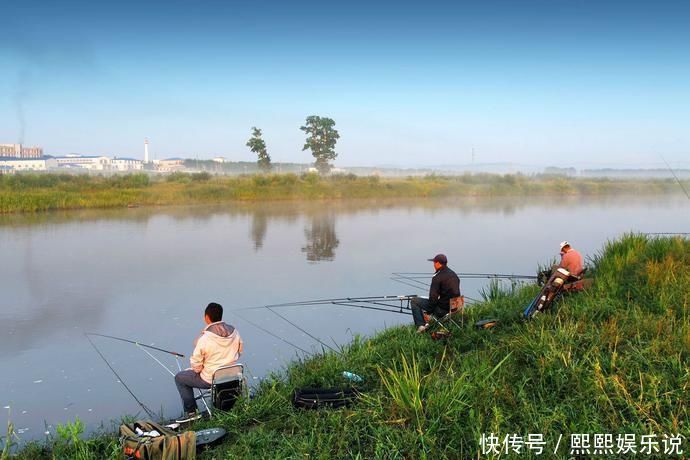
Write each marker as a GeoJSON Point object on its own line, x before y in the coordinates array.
{"type": "Point", "coordinates": [257, 145]}
{"type": "Point", "coordinates": [321, 140]}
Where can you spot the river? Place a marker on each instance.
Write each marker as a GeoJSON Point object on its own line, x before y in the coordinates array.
{"type": "Point", "coordinates": [147, 275]}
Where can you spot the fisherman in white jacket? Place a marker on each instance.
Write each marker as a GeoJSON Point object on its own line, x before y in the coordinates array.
{"type": "Point", "coordinates": [218, 345]}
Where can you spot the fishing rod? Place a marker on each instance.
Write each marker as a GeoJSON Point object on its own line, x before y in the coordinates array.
{"type": "Point", "coordinates": [370, 299]}
{"type": "Point", "coordinates": [676, 177]}
{"type": "Point", "coordinates": [418, 276]}
{"type": "Point", "coordinates": [148, 411]}
{"type": "Point", "coordinates": [174, 353]}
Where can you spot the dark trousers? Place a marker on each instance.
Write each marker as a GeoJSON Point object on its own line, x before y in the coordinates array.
{"type": "Point", "coordinates": [420, 306]}
{"type": "Point", "coordinates": [186, 381]}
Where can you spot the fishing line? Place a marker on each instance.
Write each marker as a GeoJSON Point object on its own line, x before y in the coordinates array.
{"type": "Point", "coordinates": [300, 329]}
{"type": "Point", "coordinates": [269, 332]}
{"type": "Point", "coordinates": [143, 406]}
{"type": "Point", "coordinates": [156, 359]}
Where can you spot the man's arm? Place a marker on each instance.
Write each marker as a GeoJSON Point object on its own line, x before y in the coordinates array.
{"type": "Point", "coordinates": [434, 290]}
{"type": "Point", "coordinates": [197, 358]}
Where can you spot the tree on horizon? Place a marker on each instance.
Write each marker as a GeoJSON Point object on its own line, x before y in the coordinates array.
{"type": "Point", "coordinates": [321, 139]}
{"type": "Point", "coordinates": [257, 145]}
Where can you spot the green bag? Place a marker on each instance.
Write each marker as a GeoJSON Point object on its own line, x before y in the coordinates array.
{"type": "Point", "coordinates": [168, 446]}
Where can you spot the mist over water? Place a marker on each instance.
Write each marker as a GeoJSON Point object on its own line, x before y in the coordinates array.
{"type": "Point", "coordinates": [147, 274]}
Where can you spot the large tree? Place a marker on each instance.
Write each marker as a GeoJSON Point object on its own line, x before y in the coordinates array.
{"type": "Point", "coordinates": [321, 140]}
{"type": "Point", "coordinates": [257, 145]}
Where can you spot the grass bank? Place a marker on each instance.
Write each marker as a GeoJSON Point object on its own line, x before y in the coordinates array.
{"type": "Point", "coordinates": [612, 360]}
{"type": "Point", "coordinates": [43, 192]}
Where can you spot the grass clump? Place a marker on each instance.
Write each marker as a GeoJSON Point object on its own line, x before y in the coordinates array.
{"type": "Point", "coordinates": [613, 359]}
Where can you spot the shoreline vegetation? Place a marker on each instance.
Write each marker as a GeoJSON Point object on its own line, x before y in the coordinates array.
{"type": "Point", "coordinates": [611, 360]}
{"type": "Point", "coordinates": [45, 192]}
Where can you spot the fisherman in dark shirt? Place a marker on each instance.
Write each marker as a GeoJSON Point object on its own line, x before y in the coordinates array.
{"type": "Point", "coordinates": [445, 285]}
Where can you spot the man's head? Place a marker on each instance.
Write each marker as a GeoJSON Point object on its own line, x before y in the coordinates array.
{"type": "Point", "coordinates": [565, 246]}
{"type": "Point", "coordinates": [439, 260]}
{"type": "Point", "coordinates": [213, 313]}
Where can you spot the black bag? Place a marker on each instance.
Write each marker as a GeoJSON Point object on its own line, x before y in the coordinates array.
{"type": "Point", "coordinates": [317, 398]}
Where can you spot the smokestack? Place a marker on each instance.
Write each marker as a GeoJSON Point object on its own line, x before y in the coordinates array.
{"type": "Point", "coordinates": [146, 150]}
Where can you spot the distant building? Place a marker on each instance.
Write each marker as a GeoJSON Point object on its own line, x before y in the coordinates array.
{"type": "Point", "coordinates": [169, 164]}
{"type": "Point", "coordinates": [11, 150]}
{"type": "Point", "coordinates": [126, 164]}
{"type": "Point", "coordinates": [19, 151]}
{"type": "Point", "coordinates": [220, 160]}
{"type": "Point", "coordinates": [32, 152]}
{"type": "Point", "coordinates": [97, 163]}
{"type": "Point", "coordinates": [27, 164]}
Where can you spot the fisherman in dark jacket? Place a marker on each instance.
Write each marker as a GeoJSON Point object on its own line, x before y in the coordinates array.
{"type": "Point", "coordinates": [445, 285]}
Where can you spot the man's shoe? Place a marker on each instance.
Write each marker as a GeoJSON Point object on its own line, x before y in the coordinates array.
{"type": "Point", "coordinates": [423, 328]}
{"type": "Point", "coordinates": [189, 417]}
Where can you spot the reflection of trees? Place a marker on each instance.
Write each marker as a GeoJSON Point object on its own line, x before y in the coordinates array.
{"type": "Point", "coordinates": [321, 238]}
{"type": "Point", "coordinates": [259, 227]}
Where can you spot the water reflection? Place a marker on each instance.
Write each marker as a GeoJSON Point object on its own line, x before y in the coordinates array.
{"type": "Point", "coordinates": [322, 240]}
{"type": "Point", "coordinates": [259, 228]}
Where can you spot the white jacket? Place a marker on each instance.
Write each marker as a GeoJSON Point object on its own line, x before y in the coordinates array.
{"type": "Point", "coordinates": [218, 345]}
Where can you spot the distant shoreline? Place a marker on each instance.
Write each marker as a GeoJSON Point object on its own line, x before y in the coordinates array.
{"type": "Point", "coordinates": [45, 192]}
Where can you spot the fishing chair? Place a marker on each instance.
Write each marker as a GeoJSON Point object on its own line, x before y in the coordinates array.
{"type": "Point", "coordinates": [227, 385]}
{"type": "Point", "coordinates": [455, 317]}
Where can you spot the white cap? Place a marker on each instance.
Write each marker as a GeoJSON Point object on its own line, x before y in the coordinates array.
{"type": "Point", "coordinates": [564, 244]}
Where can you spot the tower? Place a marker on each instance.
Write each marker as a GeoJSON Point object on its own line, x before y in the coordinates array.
{"type": "Point", "coordinates": [146, 150]}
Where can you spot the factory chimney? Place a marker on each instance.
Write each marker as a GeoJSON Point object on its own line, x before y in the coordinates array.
{"type": "Point", "coordinates": [146, 150]}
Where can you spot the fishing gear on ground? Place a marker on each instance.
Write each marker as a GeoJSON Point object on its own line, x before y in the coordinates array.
{"type": "Point", "coordinates": [560, 281]}
{"type": "Point", "coordinates": [148, 440]}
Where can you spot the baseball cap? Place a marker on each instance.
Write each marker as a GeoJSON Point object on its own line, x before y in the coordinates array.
{"type": "Point", "coordinates": [564, 244]}
{"type": "Point", "coordinates": [440, 258]}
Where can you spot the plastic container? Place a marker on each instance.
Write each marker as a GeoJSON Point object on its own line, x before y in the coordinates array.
{"type": "Point", "coordinates": [352, 377]}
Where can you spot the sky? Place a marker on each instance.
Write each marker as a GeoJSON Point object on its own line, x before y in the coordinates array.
{"type": "Point", "coordinates": [537, 82]}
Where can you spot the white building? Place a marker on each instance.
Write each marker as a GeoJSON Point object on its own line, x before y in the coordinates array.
{"type": "Point", "coordinates": [97, 163]}
{"type": "Point", "coordinates": [126, 164]}
{"type": "Point", "coordinates": [220, 160]}
{"type": "Point", "coordinates": [28, 164]}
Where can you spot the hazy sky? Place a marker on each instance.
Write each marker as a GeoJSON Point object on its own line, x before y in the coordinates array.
{"type": "Point", "coordinates": [408, 83]}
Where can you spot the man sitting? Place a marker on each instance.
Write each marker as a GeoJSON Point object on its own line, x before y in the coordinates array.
{"type": "Point", "coordinates": [218, 345]}
{"type": "Point", "coordinates": [445, 285]}
{"type": "Point", "coordinates": [571, 260]}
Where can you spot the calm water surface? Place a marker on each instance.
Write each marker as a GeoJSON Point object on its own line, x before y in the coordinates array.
{"type": "Point", "coordinates": [147, 274]}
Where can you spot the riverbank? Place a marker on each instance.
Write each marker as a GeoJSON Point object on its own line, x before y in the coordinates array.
{"type": "Point", "coordinates": [612, 360]}
{"type": "Point", "coordinates": [44, 192]}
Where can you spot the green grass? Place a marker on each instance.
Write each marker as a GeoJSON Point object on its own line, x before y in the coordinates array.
{"type": "Point", "coordinates": [613, 360]}
{"type": "Point", "coordinates": [43, 192]}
